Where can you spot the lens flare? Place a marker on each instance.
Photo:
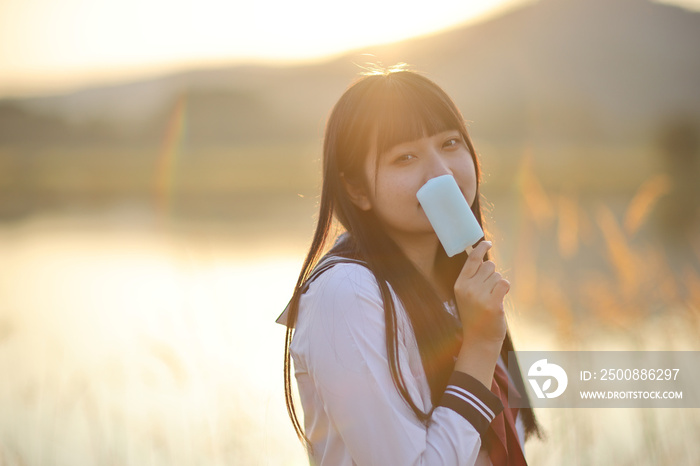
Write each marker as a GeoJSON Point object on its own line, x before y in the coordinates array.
{"type": "Point", "coordinates": [166, 166]}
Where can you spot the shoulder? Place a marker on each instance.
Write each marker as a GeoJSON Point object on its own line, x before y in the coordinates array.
{"type": "Point", "coordinates": [345, 279]}
{"type": "Point", "coordinates": [345, 290]}
{"type": "Point", "coordinates": [341, 319]}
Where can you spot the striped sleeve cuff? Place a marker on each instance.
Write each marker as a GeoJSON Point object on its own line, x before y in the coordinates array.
{"type": "Point", "coordinates": [472, 400]}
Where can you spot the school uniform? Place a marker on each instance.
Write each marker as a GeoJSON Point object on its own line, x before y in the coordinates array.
{"type": "Point", "coordinates": [353, 413]}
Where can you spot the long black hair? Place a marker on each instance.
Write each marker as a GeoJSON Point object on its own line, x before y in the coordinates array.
{"type": "Point", "coordinates": [378, 111]}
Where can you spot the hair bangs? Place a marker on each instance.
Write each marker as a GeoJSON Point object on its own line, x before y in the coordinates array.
{"type": "Point", "coordinates": [412, 112]}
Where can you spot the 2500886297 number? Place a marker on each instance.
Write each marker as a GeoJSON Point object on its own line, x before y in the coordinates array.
{"type": "Point", "coordinates": [639, 374]}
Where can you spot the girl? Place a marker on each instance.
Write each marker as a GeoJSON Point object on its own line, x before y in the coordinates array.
{"type": "Point", "coordinates": [398, 349]}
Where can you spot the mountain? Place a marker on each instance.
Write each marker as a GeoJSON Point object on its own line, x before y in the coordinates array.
{"type": "Point", "coordinates": [573, 82]}
{"type": "Point", "coordinates": [616, 66]}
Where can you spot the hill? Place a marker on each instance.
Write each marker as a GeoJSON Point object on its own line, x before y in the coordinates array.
{"type": "Point", "coordinates": [576, 84]}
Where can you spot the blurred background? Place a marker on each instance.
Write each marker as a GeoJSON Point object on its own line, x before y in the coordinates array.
{"type": "Point", "coordinates": [159, 177]}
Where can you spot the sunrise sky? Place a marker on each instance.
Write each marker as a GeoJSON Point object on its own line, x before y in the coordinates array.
{"type": "Point", "coordinates": [54, 45]}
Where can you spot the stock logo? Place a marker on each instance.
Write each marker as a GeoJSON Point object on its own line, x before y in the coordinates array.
{"type": "Point", "coordinates": [541, 369]}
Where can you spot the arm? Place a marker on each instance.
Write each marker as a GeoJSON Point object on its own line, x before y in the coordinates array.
{"type": "Point", "coordinates": [479, 292]}
{"type": "Point", "coordinates": [344, 334]}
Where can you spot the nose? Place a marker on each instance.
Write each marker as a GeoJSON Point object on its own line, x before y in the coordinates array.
{"type": "Point", "coordinates": [437, 166]}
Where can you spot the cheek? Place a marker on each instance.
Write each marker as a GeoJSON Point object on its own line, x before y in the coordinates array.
{"type": "Point", "coordinates": [395, 200]}
{"type": "Point", "coordinates": [467, 181]}
{"type": "Point", "coordinates": [393, 188]}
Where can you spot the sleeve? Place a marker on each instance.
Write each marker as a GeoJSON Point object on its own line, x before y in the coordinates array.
{"type": "Point", "coordinates": [348, 364]}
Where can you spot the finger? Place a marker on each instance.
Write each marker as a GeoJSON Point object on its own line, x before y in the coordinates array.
{"type": "Point", "coordinates": [471, 265]}
{"type": "Point", "coordinates": [491, 281]}
{"type": "Point", "coordinates": [480, 251]}
{"type": "Point", "coordinates": [500, 289]}
{"type": "Point", "coordinates": [486, 271]}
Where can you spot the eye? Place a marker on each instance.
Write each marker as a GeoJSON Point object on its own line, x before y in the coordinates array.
{"type": "Point", "coordinates": [452, 142]}
{"type": "Point", "coordinates": [403, 158]}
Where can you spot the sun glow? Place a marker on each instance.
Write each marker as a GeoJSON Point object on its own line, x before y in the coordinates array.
{"type": "Point", "coordinates": [47, 43]}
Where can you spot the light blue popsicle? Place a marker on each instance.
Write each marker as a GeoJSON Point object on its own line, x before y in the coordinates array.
{"type": "Point", "coordinates": [449, 214]}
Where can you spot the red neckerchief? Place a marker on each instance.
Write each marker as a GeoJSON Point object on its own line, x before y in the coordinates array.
{"type": "Point", "coordinates": [503, 441]}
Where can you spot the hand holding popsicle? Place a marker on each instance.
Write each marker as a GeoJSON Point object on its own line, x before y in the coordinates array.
{"type": "Point", "coordinates": [479, 290]}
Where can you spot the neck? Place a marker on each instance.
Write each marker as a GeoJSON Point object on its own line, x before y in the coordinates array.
{"type": "Point", "coordinates": [422, 252]}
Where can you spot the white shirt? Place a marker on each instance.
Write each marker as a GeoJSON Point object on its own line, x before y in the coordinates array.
{"type": "Point", "coordinates": [353, 413]}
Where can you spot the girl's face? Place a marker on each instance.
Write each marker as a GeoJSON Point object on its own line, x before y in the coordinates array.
{"type": "Point", "coordinates": [394, 177]}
